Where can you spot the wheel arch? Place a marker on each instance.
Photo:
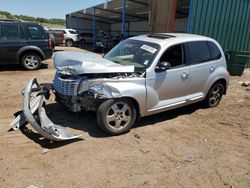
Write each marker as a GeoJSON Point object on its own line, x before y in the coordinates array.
{"type": "Point", "coordinates": [137, 107]}
{"type": "Point", "coordinates": [223, 82]}
{"type": "Point", "coordinates": [24, 51]}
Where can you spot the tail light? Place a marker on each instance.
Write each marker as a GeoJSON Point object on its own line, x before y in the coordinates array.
{"type": "Point", "coordinates": [49, 43]}
{"type": "Point", "coordinates": [62, 35]}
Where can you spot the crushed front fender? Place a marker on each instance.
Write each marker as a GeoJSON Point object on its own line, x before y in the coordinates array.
{"type": "Point", "coordinates": [33, 101]}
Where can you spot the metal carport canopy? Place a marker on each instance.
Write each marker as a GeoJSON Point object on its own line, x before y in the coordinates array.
{"type": "Point", "coordinates": [122, 11]}
{"type": "Point", "coordinates": [117, 11]}
{"type": "Point", "coordinates": [135, 10]}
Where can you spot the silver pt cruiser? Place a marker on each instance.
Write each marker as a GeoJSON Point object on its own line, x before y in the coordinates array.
{"type": "Point", "coordinates": [141, 76]}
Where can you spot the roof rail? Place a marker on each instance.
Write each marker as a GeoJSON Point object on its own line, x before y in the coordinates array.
{"type": "Point", "coordinates": [9, 20]}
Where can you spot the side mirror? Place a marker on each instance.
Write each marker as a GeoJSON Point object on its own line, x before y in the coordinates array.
{"type": "Point", "coordinates": [163, 66]}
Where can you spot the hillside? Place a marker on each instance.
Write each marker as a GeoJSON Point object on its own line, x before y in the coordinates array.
{"type": "Point", "coordinates": [44, 21]}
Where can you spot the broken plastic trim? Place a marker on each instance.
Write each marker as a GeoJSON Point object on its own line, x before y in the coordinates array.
{"type": "Point", "coordinates": [34, 99]}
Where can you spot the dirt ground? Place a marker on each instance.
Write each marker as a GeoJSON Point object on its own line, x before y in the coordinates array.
{"type": "Point", "coordinates": [188, 147]}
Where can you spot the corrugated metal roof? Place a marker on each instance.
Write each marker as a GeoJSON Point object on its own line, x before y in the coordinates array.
{"type": "Point", "coordinates": [136, 10]}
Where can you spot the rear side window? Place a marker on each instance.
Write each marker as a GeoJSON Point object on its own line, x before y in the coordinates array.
{"type": "Point", "coordinates": [9, 32]}
{"type": "Point", "coordinates": [198, 52]}
{"type": "Point", "coordinates": [36, 32]}
{"type": "Point", "coordinates": [214, 51]}
{"type": "Point", "coordinates": [72, 32]}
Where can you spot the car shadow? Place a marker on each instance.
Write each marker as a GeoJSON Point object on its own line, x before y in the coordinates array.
{"type": "Point", "coordinates": [43, 142]}
{"type": "Point", "coordinates": [83, 121]}
{"type": "Point", "coordinates": [87, 123]}
{"type": "Point", "coordinates": [18, 67]}
{"type": "Point", "coordinates": [168, 115]}
{"type": "Point", "coordinates": [57, 50]}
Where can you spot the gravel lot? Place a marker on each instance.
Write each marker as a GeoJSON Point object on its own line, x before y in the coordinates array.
{"type": "Point", "coordinates": [188, 147]}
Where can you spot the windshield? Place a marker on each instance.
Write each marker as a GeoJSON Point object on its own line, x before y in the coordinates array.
{"type": "Point", "coordinates": [133, 52]}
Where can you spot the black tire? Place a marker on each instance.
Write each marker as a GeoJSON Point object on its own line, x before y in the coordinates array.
{"type": "Point", "coordinates": [214, 95]}
{"type": "Point", "coordinates": [69, 43]}
{"type": "Point", "coordinates": [122, 115]}
{"type": "Point", "coordinates": [82, 42]}
{"type": "Point", "coordinates": [31, 61]}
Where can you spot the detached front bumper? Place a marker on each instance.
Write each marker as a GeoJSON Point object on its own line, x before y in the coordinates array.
{"type": "Point", "coordinates": [34, 96]}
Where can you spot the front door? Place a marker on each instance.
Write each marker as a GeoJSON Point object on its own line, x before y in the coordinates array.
{"type": "Point", "coordinates": [168, 89]}
{"type": "Point", "coordinates": [11, 40]}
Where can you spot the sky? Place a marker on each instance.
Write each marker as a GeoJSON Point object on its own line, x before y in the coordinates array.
{"type": "Point", "coordinates": [46, 8]}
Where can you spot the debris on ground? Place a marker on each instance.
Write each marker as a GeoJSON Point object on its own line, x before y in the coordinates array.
{"type": "Point", "coordinates": [137, 136]}
{"type": "Point", "coordinates": [189, 159]}
{"type": "Point", "coordinates": [45, 150]}
{"type": "Point", "coordinates": [144, 151]}
{"type": "Point", "coordinates": [245, 84]}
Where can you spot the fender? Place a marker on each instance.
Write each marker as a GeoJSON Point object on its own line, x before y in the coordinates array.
{"type": "Point", "coordinates": [132, 88]}
{"type": "Point", "coordinates": [222, 74]}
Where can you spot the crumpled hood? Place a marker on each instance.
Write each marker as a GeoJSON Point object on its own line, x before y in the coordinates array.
{"type": "Point", "coordinates": [74, 63]}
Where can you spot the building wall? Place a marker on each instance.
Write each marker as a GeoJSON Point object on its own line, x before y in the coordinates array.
{"type": "Point", "coordinates": [135, 28]}
{"type": "Point", "coordinates": [116, 28]}
{"type": "Point", "coordinates": [227, 21]}
{"type": "Point", "coordinates": [138, 28]}
{"type": "Point", "coordinates": [86, 25]}
{"type": "Point", "coordinates": [180, 25]}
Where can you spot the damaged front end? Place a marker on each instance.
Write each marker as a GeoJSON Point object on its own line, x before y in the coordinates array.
{"type": "Point", "coordinates": [84, 92]}
{"type": "Point", "coordinates": [34, 96]}
{"type": "Point", "coordinates": [79, 83]}
{"type": "Point", "coordinates": [82, 82]}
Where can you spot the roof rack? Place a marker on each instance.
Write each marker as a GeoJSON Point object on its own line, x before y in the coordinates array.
{"type": "Point", "coordinates": [9, 20]}
{"type": "Point", "coordinates": [160, 36]}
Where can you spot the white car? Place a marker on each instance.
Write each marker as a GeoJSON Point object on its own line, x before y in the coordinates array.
{"type": "Point", "coordinates": [70, 35]}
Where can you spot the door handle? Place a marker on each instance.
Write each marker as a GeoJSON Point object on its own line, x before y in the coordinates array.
{"type": "Point", "coordinates": [184, 75]}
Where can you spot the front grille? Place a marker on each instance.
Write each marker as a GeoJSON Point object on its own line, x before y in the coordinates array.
{"type": "Point", "coordinates": [66, 85]}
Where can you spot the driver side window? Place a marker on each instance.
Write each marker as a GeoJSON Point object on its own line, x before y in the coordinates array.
{"type": "Point", "coordinates": [174, 55]}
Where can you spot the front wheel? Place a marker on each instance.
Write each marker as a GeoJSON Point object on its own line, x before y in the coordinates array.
{"type": "Point", "coordinates": [116, 116]}
{"type": "Point", "coordinates": [214, 95]}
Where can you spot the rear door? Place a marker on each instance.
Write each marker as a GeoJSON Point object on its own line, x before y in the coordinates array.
{"type": "Point", "coordinates": [36, 36]}
{"type": "Point", "coordinates": [203, 58]}
{"type": "Point", "coordinates": [12, 38]}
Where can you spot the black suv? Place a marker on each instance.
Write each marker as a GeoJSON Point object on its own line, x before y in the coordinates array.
{"type": "Point", "coordinates": [25, 43]}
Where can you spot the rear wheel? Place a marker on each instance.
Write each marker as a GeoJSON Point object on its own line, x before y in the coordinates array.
{"type": "Point", "coordinates": [82, 42]}
{"type": "Point", "coordinates": [31, 61]}
{"type": "Point", "coordinates": [116, 116]}
{"type": "Point", "coordinates": [214, 95]}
